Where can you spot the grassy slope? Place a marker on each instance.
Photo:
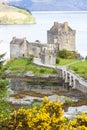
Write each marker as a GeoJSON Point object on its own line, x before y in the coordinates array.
{"type": "Point", "coordinates": [80, 68]}
{"type": "Point", "coordinates": [65, 61]}
{"type": "Point", "coordinates": [22, 65]}
{"type": "Point", "coordinates": [13, 15]}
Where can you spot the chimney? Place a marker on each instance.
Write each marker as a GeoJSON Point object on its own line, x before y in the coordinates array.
{"type": "Point", "coordinates": [24, 39]}
{"type": "Point", "coordinates": [55, 23]}
{"type": "Point", "coordinates": [65, 26]}
{"type": "Point", "coordinates": [14, 38]}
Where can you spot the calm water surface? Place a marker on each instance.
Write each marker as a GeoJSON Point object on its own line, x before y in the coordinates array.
{"type": "Point", "coordinates": [44, 21]}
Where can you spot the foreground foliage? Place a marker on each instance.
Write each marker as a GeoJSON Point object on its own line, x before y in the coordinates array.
{"type": "Point", "coordinates": [80, 123]}
{"type": "Point", "coordinates": [4, 106]}
{"type": "Point", "coordinates": [50, 116]}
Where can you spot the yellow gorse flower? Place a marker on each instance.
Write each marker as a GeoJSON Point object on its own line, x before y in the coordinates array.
{"type": "Point", "coordinates": [50, 116]}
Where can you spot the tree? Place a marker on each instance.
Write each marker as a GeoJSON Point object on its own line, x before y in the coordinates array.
{"type": "Point", "coordinates": [1, 60]}
{"type": "Point", "coordinates": [1, 63]}
{"type": "Point", "coordinates": [86, 58]}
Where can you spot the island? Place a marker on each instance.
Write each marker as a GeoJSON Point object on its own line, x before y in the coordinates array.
{"type": "Point", "coordinates": [14, 15]}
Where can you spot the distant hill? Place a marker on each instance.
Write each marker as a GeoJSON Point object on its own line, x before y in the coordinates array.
{"type": "Point", "coordinates": [14, 15]}
{"type": "Point", "coordinates": [52, 5]}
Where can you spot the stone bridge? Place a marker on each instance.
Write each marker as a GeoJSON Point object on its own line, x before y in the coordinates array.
{"type": "Point", "coordinates": [73, 80]}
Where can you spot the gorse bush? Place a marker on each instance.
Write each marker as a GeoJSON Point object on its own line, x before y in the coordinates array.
{"type": "Point", "coordinates": [80, 123]}
{"type": "Point", "coordinates": [49, 116]}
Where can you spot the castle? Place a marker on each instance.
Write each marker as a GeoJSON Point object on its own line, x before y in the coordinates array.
{"type": "Point", "coordinates": [59, 37]}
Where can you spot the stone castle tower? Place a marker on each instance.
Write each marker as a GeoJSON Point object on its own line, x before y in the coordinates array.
{"type": "Point", "coordinates": [62, 36]}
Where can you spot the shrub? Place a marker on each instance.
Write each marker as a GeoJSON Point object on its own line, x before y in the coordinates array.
{"type": "Point", "coordinates": [63, 53]}
{"type": "Point", "coordinates": [86, 58]}
{"type": "Point", "coordinates": [4, 107]}
{"type": "Point", "coordinates": [49, 117]}
{"type": "Point", "coordinates": [10, 61]}
{"type": "Point", "coordinates": [3, 84]}
{"type": "Point", "coordinates": [57, 61]}
{"type": "Point", "coordinates": [80, 123]}
{"type": "Point", "coordinates": [68, 101]}
{"type": "Point", "coordinates": [67, 54]}
{"type": "Point", "coordinates": [1, 58]}
{"type": "Point", "coordinates": [75, 69]}
{"type": "Point", "coordinates": [42, 71]}
{"type": "Point", "coordinates": [30, 59]}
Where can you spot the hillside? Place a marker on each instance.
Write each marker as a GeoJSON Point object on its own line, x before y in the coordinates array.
{"type": "Point", "coordinates": [13, 15]}
{"type": "Point", "coordinates": [49, 5]}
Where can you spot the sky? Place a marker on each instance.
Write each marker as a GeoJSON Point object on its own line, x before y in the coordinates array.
{"type": "Point", "coordinates": [8, 0]}
{"type": "Point", "coordinates": [34, 1]}
{"type": "Point", "coordinates": [53, 4]}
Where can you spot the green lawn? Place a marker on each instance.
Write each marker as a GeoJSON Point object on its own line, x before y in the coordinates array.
{"type": "Point", "coordinates": [65, 61]}
{"type": "Point", "coordinates": [80, 68]}
{"type": "Point", "coordinates": [23, 65]}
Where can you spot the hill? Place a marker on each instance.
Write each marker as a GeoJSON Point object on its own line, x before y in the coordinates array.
{"type": "Point", "coordinates": [14, 15]}
{"type": "Point", "coordinates": [49, 5]}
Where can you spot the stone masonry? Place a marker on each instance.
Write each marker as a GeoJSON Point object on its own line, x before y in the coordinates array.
{"type": "Point", "coordinates": [59, 37]}
{"type": "Point", "coordinates": [62, 36]}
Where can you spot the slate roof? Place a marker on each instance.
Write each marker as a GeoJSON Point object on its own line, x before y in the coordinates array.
{"type": "Point", "coordinates": [19, 41]}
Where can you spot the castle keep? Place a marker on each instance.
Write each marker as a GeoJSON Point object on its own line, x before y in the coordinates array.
{"type": "Point", "coordinates": [62, 36]}
{"type": "Point", "coordinates": [59, 37]}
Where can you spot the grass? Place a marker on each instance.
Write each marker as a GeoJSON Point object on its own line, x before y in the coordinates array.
{"type": "Point", "coordinates": [65, 61]}
{"type": "Point", "coordinates": [23, 65]}
{"type": "Point", "coordinates": [68, 101]}
{"type": "Point", "coordinates": [80, 68]}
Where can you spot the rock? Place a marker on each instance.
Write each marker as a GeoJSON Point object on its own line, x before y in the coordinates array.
{"type": "Point", "coordinates": [8, 72]}
{"type": "Point", "coordinates": [27, 100]}
{"type": "Point", "coordinates": [30, 73]}
{"type": "Point", "coordinates": [74, 111]}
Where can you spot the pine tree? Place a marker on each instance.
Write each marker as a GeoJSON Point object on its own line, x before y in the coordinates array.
{"type": "Point", "coordinates": [2, 60]}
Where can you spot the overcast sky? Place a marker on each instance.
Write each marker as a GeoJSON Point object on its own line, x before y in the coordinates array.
{"type": "Point", "coordinates": [48, 1]}
{"type": "Point", "coordinates": [8, 0]}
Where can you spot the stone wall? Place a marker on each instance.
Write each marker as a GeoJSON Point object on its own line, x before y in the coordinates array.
{"type": "Point", "coordinates": [80, 86]}
{"type": "Point", "coordinates": [62, 35]}
{"type": "Point", "coordinates": [14, 51]}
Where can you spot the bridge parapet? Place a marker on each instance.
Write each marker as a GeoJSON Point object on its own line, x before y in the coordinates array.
{"type": "Point", "coordinates": [73, 79]}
